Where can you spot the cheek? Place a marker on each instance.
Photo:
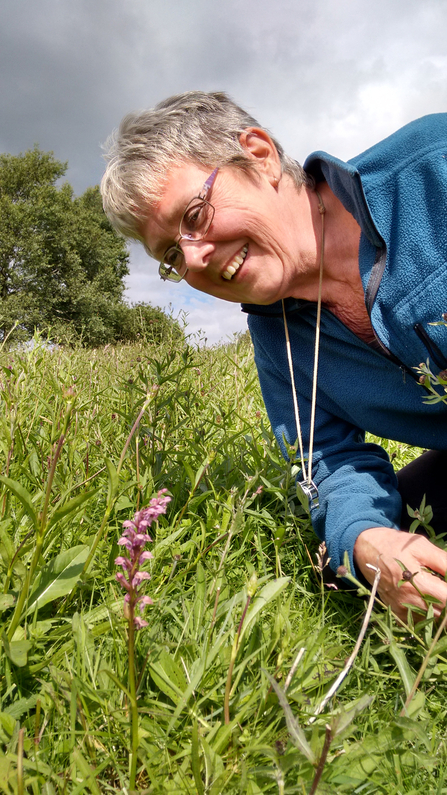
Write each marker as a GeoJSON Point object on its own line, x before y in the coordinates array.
{"type": "Point", "coordinates": [239, 223]}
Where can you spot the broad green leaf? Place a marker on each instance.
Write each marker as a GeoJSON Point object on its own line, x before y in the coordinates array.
{"type": "Point", "coordinates": [183, 699]}
{"type": "Point", "coordinates": [349, 713]}
{"type": "Point", "coordinates": [6, 600]}
{"type": "Point", "coordinates": [113, 481]}
{"type": "Point", "coordinates": [296, 733]}
{"type": "Point", "coordinates": [7, 722]}
{"type": "Point", "coordinates": [166, 542]}
{"type": "Point", "coordinates": [21, 707]}
{"type": "Point", "coordinates": [270, 591]}
{"type": "Point", "coordinates": [416, 704]}
{"type": "Point", "coordinates": [168, 676]}
{"type": "Point", "coordinates": [7, 548]}
{"type": "Point", "coordinates": [224, 733]}
{"type": "Point", "coordinates": [398, 655]}
{"type": "Point", "coordinates": [58, 577]}
{"type": "Point", "coordinates": [124, 504]}
{"type": "Point", "coordinates": [23, 495]}
{"type": "Point", "coordinates": [6, 369]}
{"type": "Point", "coordinates": [16, 650]}
{"type": "Point", "coordinates": [414, 727]}
{"type": "Point", "coordinates": [70, 506]}
{"type": "Point", "coordinates": [441, 646]}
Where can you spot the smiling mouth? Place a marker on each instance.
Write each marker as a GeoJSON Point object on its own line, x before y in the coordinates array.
{"type": "Point", "coordinates": [230, 270]}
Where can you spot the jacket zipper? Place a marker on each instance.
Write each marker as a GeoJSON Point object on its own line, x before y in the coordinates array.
{"type": "Point", "coordinates": [434, 351]}
{"type": "Point", "coordinates": [370, 296]}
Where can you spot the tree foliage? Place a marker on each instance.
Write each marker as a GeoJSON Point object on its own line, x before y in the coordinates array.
{"type": "Point", "coordinates": [142, 322]}
{"type": "Point", "coordinates": [62, 265]}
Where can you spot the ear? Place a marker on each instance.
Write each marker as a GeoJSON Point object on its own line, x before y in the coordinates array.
{"type": "Point", "coordinates": [258, 145]}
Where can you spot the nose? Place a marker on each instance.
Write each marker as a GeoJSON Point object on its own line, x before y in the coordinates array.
{"type": "Point", "coordinates": [197, 253]}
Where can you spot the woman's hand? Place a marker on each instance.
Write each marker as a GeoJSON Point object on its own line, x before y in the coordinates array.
{"type": "Point", "coordinates": [383, 547]}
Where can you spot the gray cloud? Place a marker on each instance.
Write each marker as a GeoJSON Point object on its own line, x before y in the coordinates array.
{"type": "Point", "coordinates": [337, 76]}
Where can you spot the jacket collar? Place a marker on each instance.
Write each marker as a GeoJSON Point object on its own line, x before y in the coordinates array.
{"type": "Point", "coordinates": [275, 310]}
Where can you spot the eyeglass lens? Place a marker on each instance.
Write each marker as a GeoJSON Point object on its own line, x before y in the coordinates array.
{"type": "Point", "coordinates": [196, 221]}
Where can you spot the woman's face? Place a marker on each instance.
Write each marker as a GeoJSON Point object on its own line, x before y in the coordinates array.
{"type": "Point", "coordinates": [249, 253]}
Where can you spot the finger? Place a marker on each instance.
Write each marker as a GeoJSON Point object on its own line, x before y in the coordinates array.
{"type": "Point", "coordinates": [408, 595]}
{"type": "Point", "coordinates": [412, 592]}
{"type": "Point", "coordinates": [427, 553]}
{"type": "Point", "coordinates": [430, 585]}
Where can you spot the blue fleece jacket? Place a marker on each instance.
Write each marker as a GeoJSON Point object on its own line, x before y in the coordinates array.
{"type": "Point", "coordinates": [397, 192]}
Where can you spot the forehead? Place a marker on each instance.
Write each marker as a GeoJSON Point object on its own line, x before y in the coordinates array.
{"type": "Point", "coordinates": [160, 227]}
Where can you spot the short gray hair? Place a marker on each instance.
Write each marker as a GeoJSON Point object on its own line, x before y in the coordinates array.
{"type": "Point", "coordinates": [196, 126]}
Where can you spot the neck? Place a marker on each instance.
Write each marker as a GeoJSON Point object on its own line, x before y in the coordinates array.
{"type": "Point", "coordinates": [341, 248]}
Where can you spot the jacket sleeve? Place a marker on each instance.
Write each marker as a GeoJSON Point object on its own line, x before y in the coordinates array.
{"type": "Point", "coordinates": [356, 482]}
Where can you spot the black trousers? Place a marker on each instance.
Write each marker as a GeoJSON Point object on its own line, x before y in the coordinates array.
{"type": "Point", "coordinates": [427, 475]}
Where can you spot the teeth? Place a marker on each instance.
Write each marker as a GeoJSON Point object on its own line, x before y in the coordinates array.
{"type": "Point", "coordinates": [235, 265]}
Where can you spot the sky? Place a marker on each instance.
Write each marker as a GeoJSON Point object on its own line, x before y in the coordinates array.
{"type": "Point", "coordinates": [337, 75]}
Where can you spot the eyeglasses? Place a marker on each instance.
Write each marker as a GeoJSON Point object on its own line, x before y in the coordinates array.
{"type": "Point", "coordinates": [194, 225]}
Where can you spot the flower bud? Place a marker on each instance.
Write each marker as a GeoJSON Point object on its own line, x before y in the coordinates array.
{"type": "Point", "coordinates": [252, 586]}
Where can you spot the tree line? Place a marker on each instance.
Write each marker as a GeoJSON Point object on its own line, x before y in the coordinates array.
{"type": "Point", "coordinates": [62, 265]}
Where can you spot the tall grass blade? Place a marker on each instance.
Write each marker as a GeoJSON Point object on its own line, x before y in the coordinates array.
{"type": "Point", "coordinates": [23, 495]}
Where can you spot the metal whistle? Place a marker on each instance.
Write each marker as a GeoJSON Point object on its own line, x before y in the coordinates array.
{"type": "Point", "coordinates": [310, 493]}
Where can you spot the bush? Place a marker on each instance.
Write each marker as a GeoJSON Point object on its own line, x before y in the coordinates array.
{"type": "Point", "coordinates": [145, 323]}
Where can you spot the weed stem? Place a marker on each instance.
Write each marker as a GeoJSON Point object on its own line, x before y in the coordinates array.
{"type": "Point", "coordinates": [332, 690]}
{"type": "Point", "coordinates": [322, 760]}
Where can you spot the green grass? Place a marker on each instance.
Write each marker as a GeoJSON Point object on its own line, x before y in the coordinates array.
{"type": "Point", "coordinates": [235, 544]}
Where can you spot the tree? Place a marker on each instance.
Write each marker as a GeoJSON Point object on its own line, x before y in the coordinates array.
{"type": "Point", "coordinates": [148, 324]}
{"type": "Point", "coordinates": [62, 266]}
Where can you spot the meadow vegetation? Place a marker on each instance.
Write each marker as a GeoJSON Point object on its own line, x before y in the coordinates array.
{"type": "Point", "coordinates": [243, 639]}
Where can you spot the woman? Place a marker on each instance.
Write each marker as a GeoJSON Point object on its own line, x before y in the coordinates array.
{"type": "Point", "coordinates": [342, 269]}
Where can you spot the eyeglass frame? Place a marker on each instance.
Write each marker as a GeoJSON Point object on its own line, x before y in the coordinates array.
{"type": "Point", "coordinates": [165, 271]}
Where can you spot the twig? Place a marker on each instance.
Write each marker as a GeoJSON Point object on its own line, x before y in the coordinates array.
{"type": "Point", "coordinates": [356, 648]}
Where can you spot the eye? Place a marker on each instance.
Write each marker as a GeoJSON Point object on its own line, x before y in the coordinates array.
{"type": "Point", "coordinates": [173, 258]}
{"type": "Point", "coordinates": [196, 218]}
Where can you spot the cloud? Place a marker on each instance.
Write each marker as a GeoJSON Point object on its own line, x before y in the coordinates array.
{"type": "Point", "coordinates": [326, 75]}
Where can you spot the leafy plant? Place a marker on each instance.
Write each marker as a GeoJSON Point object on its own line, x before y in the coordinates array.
{"type": "Point", "coordinates": [244, 641]}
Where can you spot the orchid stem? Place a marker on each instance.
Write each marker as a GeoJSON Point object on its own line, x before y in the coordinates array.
{"type": "Point", "coordinates": [133, 704]}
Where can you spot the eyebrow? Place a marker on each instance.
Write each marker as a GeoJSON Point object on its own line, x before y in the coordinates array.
{"type": "Point", "coordinates": [165, 248]}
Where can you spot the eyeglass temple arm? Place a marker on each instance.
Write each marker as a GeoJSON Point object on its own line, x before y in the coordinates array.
{"type": "Point", "coordinates": [208, 184]}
